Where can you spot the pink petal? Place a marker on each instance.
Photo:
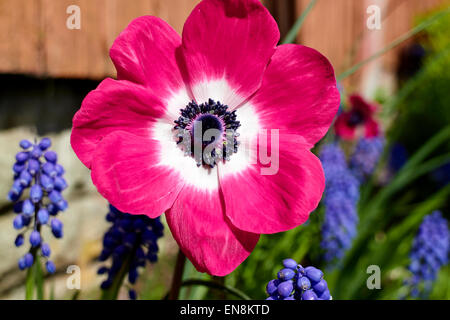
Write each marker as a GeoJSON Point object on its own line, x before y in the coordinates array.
{"type": "Point", "coordinates": [126, 171]}
{"type": "Point", "coordinates": [358, 103]}
{"type": "Point", "coordinates": [114, 105]}
{"type": "Point", "coordinates": [229, 40]}
{"type": "Point", "coordinates": [268, 203]}
{"type": "Point", "coordinates": [205, 236]}
{"type": "Point", "coordinates": [145, 52]}
{"type": "Point", "coordinates": [298, 94]}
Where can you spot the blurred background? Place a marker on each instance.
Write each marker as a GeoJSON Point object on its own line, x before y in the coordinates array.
{"type": "Point", "coordinates": [46, 70]}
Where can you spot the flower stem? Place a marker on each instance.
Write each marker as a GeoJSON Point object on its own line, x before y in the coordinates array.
{"type": "Point", "coordinates": [292, 34]}
{"type": "Point", "coordinates": [177, 276]}
{"type": "Point", "coordinates": [422, 26]}
{"type": "Point", "coordinates": [113, 292]}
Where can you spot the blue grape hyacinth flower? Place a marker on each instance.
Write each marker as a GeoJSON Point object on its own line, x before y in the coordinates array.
{"type": "Point", "coordinates": [36, 193]}
{"type": "Point", "coordinates": [428, 254]}
{"type": "Point", "coordinates": [340, 201]}
{"type": "Point", "coordinates": [295, 282]}
{"type": "Point", "coordinates": [130, 242]}
{"type": "Point", "coordinates": [365, 157]}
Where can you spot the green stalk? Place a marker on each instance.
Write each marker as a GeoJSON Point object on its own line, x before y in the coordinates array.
{"type": "Point", "coordinates": [422, 26]}
{"type": "Point", "coordinates": [113, 291]}
{"type": "Point", "coordinates": [216, 285]}
{"type": "Point", "coordinates": [292, 34]}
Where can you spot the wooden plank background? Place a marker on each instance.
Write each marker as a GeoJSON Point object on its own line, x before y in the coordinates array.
{"type": "Point", "coordinates": [34, 38]}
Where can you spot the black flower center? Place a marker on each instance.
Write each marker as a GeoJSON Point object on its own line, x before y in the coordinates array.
{"type": "Point", "coordinates": [207, 132]}
{"type": "Point", "coordinates": [355, 118]}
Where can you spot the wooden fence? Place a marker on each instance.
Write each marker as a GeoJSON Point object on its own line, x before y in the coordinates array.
{"type": "Point", "coordinates": [34, 38]}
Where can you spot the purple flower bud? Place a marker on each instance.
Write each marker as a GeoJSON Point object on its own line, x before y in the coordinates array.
{"type": "Point", "coordinates": [28, 207]}
{"type": "Point", "coordinates": [21, 157]}
{"type": "Point", "coordinates": [36, 153]}
{"type": "Point", "coordinates": [25, 144]}
{"type": "Point", "coordinates": [33, 166]}
{"type": "Point", "coordinates": [45, 249]}
{"type": "Point", "coordinates": [51, 156]}
{"type": "Point", "coordinates": [46, 182]}
{"type": "Point", "coordinates": [272, 287]}
{"type": "Point", "coordinates": [286, 274]}
{"type": "Point", "coordinates": [303, 283]}
{"type": "Point", "coordinates": [55, 197]}
{"type": "Point", "coordinates": [290, 264]}
{"type": "Point", "coordinates": [59, 169]}
{"type": "Point", "coordinates": [36, 193]}
{"type": "Point", "coordinates": [22, 264]}
{"type": "Point", "coordinates": [320, 286]}
{"type": "Point", "coordinates": [18, 167]}
{"type": "Point", "coordinates": [314, 274]}
{"type": "Point", "coordinates": [19, 240]}
{"type": "Point", "coordinates": [28, 260]}
{"type": "Point", "coordinates": [45, 144]}
{"type": "Point", "coordinates": [43, 216]}
{"type": "Point", "coordinates": [60, 183]}
{"type": "Point", "coordinates": [49, 169]}
{"type": "Point", "coordinates": [35, 238]}
{"type": "Point", "coordinates": [285, 288]}
{"type": "Point", "coordinates": [309, 295]}
{"type": "Point", "coordinates": [57, 228]}
{"type": "Point", "coordinates": [25, 178]}
{"type": "Point", "coordinates": [50, 266]}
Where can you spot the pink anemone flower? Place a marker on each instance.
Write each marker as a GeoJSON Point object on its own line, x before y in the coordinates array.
{"type": "Point", "coordinates": [359, 120]}
{"type": "Point", "coordinates": [226, 72]}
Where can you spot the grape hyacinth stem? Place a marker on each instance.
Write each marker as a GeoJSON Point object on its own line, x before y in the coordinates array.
{"type": "Point", "coordinates": [177, 276]}
{"type": "Point", "coordinates": [113, 292]}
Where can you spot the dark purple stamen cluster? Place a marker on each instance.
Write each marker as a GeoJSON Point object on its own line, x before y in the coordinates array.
{"type": "Point", "coordinates": [36, 170]}
{"type": "Point", "coordinates": [211, 115]}
{"type": "Point", "coordinates": [129, 242]}
{"type": "Point", "coordinates": [297, 283]}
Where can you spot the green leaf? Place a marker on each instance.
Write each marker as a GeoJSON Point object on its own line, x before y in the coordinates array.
{"type": "Point", "coordinates": [215, 285]}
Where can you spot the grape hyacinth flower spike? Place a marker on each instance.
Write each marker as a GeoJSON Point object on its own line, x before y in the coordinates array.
{"type": "Point", "coordinates": [365, 157]}
{"type": "Point", "coordinates": [154, 139]}
{"type": "Point", "coordinates": [429, 253]}
{"type": "Point", "coordinates": [340, 201]}
{"type": "Point", "coordinates": [295, 282]}
{"type": "Point", "coordinates": [37, 196]}
{"type": "Point", "coordinates": [130, 242]}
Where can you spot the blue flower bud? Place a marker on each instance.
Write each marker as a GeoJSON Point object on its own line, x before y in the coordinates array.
{"type": "Point", "coordinates": [290, 264]}
{"type": "Point", "coordinates": [36, 193]}
{"type": "Point", "coordinates": [55, 197]}
{"type": "Point", "coordinates": [132, 294]}
{"type": "Point", "coordinates": [133, 275]}
{"type": "Point", "coordinates": [49, 169]}
{"type": "Point", "coordinates": [320, 286]}
{"type": "Point", "coordinates": [51, 156]}
{"type": "Point", "coordinates": [46, 182]}
{"type": "Point", "coordinates": [25, 144]}
{"type": "Point", "coordinates": [17, 207]}
{"type": "Point", "coordinates": [28, 207]}
{"type": "Point", "coordinates": [35, 238]}
{"type": "Point", "coordinates": [57, 228]}
{"type": "Point", "coordinates": [325, 295]}
{"type": "Point", "coordinates": [272, 287]}
{"type": "Point", "coordinates": [52, 209]}
{"type": "Point", "coordinates": [36, 153]}
{"type": "Point", "coordinates": [18, 167]}
{"type": "Point", "coordinates": [45, 144]}
{"type": "Point", "coordinates": [22, 264]}
{"type": "Point", "coordinates": [21, 157]}
{"type": "Point", "coordinates": [314, 274]}
{"type": "Point", "coordinates": [303, 283]}
{"type": "Point", "coordinates": [25, 178]}
{"type": "Point", "coordinates": [285, 288]}
{"type": "Point", "coordinates": [60, 183]}
{"type": "Point", "coordinates": [45, 249]}
{"type": "Point", "coordinates": [28, 260]}
{"type": "Point", "coordinates": [289, 298]}
{"type": "Point", "coordinates": [19, 240]}
{"type": "Point", "coordinates": [102, 270]}
{"type": "Point", "coordinates": [50, 266]}
{"type": "Point", "coordinates": [309, 295]}
{"type": "Point", "coordinates": [286, 274]}
{"type": "Point", "coordinates": [18, 222]}
{"type": "Point", "coordinates": [43, 216]}
{"type": "Point", "coordinates": [34, 166]}
{"type": "Point", "coordinates": [59, 170]}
